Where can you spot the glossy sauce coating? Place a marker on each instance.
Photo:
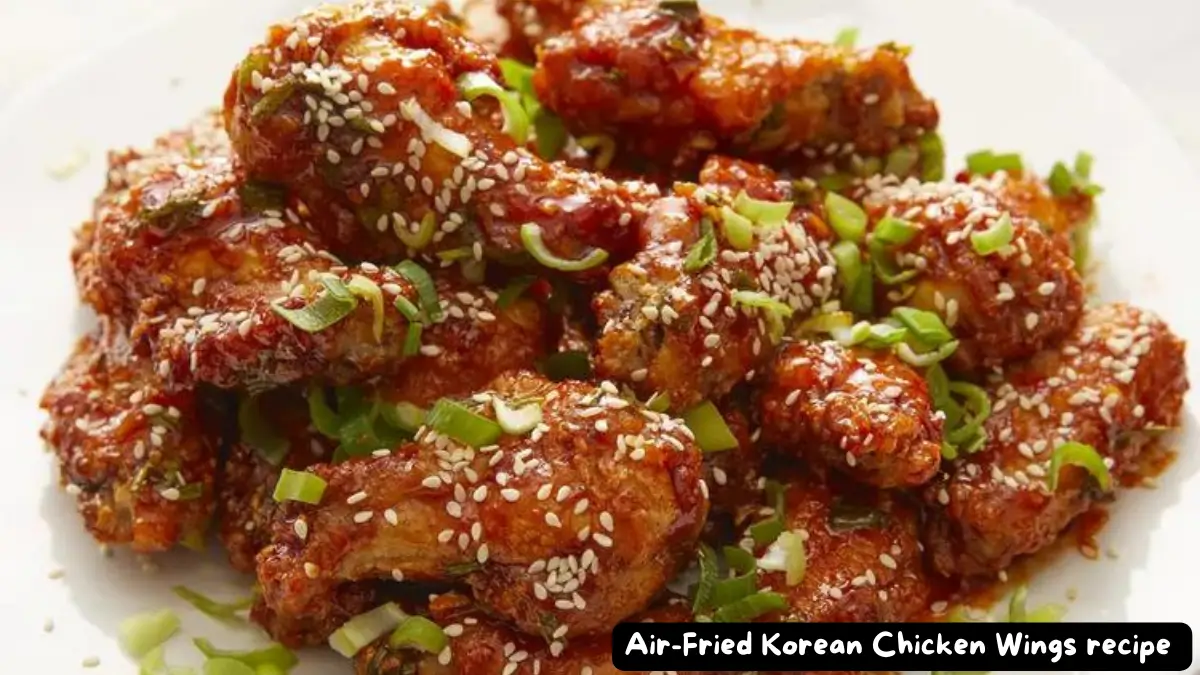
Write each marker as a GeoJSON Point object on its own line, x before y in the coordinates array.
{"type": "Point", "coordinates": [1116, 375]}
{"type": "Point", "coordinates": [860, 411]}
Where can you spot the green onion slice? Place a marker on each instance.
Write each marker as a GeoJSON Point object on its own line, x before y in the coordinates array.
{"type": "Point", "coordinates": [368, 290]}
{"type": "Point", "coordinates": [902, 160]}
{"type": "Point", "coordinates": [894, 231]}
{"type": "Point", "coordinates": [796, 559]}
{"type": "Point", "coordinates": [407, 309]}
{"type": "Point", "coordinates": [848, 337]}
{"type": "Point", "coordinates": [933, 157]}
{"type": "Point", "coordinates": [213, 608]}
{"type": "Point", "coordinates": [766, 531]}
{"type": "Point", "coordinates": [750, 607]}
{"type": "Point", "coordinates": [703, 595]}
{"type": "Point", "coordinates": [703, 251]}
{"type": "Point", "coordinates": [154, 663]}
{"type": "Point", "coordinates": [517, 421]}
{"type": "Point", "coordinates": [881, 335]}
{"type": "Point", "coordinates": [514, 290]}
{"type": "Point", "coordinates": [986, 162]}
{"type": "Point", "coordinates": [412, 339]}
{"type": "Point", "coordinates": [403, 415]}
{"type": "Point", "coordinates": [420, 633]}
{"type": "Point", "coordinates": [424, 234]}
{"type": "Point", "coordinates": [274, 656]}
{"type": "Point", "coordinates": [607, 146]}
{"type": "Point", "coordinates": [726, 591]}
{"type": "Point", "coordinates": [531, 236]}
{"type": "Point", "coordinates": [426, 290]}
{"type": "Point", "coordinates": [1060, 180]}
{"type": "Point", "coordinates": [573, 364]}
{"type": "Point", "coordinates": [846, 218]}
{"type": "Point", "coordinates": [516, 120]}
{"type": "Point", "coordinates": [926, 326]}
{"type": "Point", "coordinates": [709, 428]}
{"type": "Point", "coordinates": [455, 420]}
{"type": "Point", "coordinates": [827, 322]}
{"type": "Point", "coordinates": [762, 212]}
{"type": "Point", "coordinates": [849, 263]}
{"type": "Point", "coordinates": [299, 486]}
{"type": "Point", "coordinates": [323, 417]}
{"type": "Point", "coordinates": [885, 268]}
{"type": "Point", "coordinates": [846, 37]}
{"type": "Point", "coordinates": [258, 433]}
{"type": "Point", "coordinates": [926, 359]}
{"type": "Point", "coordinates": [316, 316]}
{"type": "Point", "coordinates": [1082, 455]}
{"type": "Point", "coordinates": [739, 230]}
{"type": "Point", "coordinates": [365, 628]}
{"type": "Point", "coordinates": [143, 632]}
{"type": "Point", "coordinates": [975, 399]}
{"type": "Point", "coordinates": [761, 300]}
{"type": "Point", "coordinates": [660, 402]}
{"type": "Point", "coordinates": [222, 666]}
{"type": "Point", "coordinates": [995, 238]}
{"type": "Point", "coordinates": [739, 559]}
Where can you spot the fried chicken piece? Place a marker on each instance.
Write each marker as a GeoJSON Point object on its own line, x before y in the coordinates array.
{"type": "Point", "coordinates": [691, 332]}
{"type": "Point", "coordinates": [1067, 217]}
{"type": "Point", "coordinates": [861, 411]}
{"type": "Point", "coordinates": [862, 548]}
{"type": "Point", "coordinates": [358, 109]}
{"type": "Point", "coordinates": [671, 84]}
{"type": "Point", "coordinates": [531, 22]}
{"type": "Point", "coordinates": [581, 523]}
{"type": "Point", "coordinates": [1002, 306]}
{"type": "Point", "coordinates": [736, 475]}
{"type": "Point", "coordinates": [484, 645]}
{"type": "Point", "coordinates": [1119, 373]}
{"type": "Point", "coordinates": [137, 457]}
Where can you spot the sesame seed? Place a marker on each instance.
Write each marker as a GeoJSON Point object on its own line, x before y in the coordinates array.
{"type": "Point", "coordinates": [356, 498]}
{"type": "Point", "coordinates": [887, 561]}
{"type": "Point", "coordinates": [363, 516]}
{"type": "Point", "coordinates": [91, 662]}
{"type": "Point", "coordinates": [454, 509]}
{"type": "Point", "coordinates": [510, 495]}
{"type": "Point", "coordinates": [301, 529]}
{"type": "Point", "coordinates": [311, 571]}
{"type": "Point", "coordinates": [552, 520]}
{"type": "Point", "coordinates": [606, 520]}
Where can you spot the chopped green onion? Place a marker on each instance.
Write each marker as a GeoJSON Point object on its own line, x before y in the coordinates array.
{"type": "Point", "coordinates": [849, 263]}
{"type": "Point", "coordinates": [143, 632]}
{"type": "Point", "coordinates": [574, 364]}
{"type": "Point", "coordinates": [274, 98]}
{"type": "Point", "coordinates": [848, 337]}
{"type": "Point", "coordinates": [455, 420]}
{"type": "Point", "coordinates": [531, 236]}
{"type": "Point", "coordinates": [1060, 180]}
{"type": "Point", "coordinates": [1083, 165]}
{"type": "Point", "coordinates": [365, 628]}
{"type": "Point", "coordinates": [739, 230]}
{"type": "Point", "coordinates": [703, 595]}
{"type": "Point", "coordinates": [258, 433]}
{"type": "Point", "coordinates": [703, 251]}
{"type": "Point", "coordinates": [419, 632]}
{"type": "Point", "coordinates": [986, 162]}
{"type": "Point", "coordinates": [995, 238]}
{"type": "Point", "coordinates": [827, 322]}
{"type": "Point", "coordinates": [259, 195]}
{"type": "Point", "coordinates": [426, 290]}
{"type": "Point", "coordinates": [226, 667]}
{"type": "Point", "coordinates": [336, 287]}
{"type": "Point", "coordinates": [894, 231]}
{"type": "Point", "coordinates": [516, 121]}
{"type": "Point", "coordinates": [607, 146]}
{"type": "Point", "coordinates": [976, 399]}
{"type": "Point", "coordinates": [949, 452]}
{"type": "Point", "coordinates": [835, 182]}
{"type": "Point", "coordinates": [274, 655]}
{"type": "Point", "coordinates": [1049, 613]}
{"type": "Point", "coordinates": [323, 417]}
{"type": "Point", "coordinates": [750, 607]}
{"type": "Point", "coordinates": [933, 157]}
{"type": "Point", "coordinates": [1063, 181]}
{"type": "Point", "coordinates": [518, 76]}
{"type": "Point", "coordinates": [412, 339]}
{"type": "Point", "coordinates": [881, 335]}
{"type": "Point", "coordinates": [846, 218]}
{"type": "Point", "coordinates": [1016, 605]}
{"type": "Point", "coordinates": [726, 591]}
{"type": "Point", "coordinates": [761, 300]}
{"type": "Point", "coordinates": [846, 37]}
{"type": "Point", "coordinates": [762, 212]}
{"type": "Point", "coordinates": [153, 663]}
{"type": "Point", "coordinates": [299, 486]}
{"type": "Point", "coordinates": [767, 530]}
{"type": "Point", "coordinates": [1081, 455]}
{"type": "Point", "coordinates": [514, 290]}
{"type": "Point", "coordinates": [926, 359]}
{"type": "Point", "coordinates": [902, 160]}
{"type": "Point", "coordinates": [517, 421]}
{"type": "Point", "coordinates": [407, 308]}
{"type": "Point", "coordinates": [210, 607]}
{"type": "Point", "coordinates": [739, 559]}
{"type": "Point", "coordinates": [926, 326]}
{"type": "Point", "coordinates": [795, 557]}
{"type": "Point", "coordinates": [424, 234]}
{"type": "Point", "coordinates": [404, 416]}
{"type": "Point", "coordinates": [709, 428]}
{"type": "Point", "coordinates": [368, 290]}
{"type": "Point", "coordinates": [659, 402]}
{"type": "Point", "coordinates": [551, 133]}
{"type": "Point", "coordinates": [319, 314]}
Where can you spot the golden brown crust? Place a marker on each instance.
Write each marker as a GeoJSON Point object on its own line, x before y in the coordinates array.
{"type": "Point", "coordinates": [860, 411]}
{"type": "Point", "coordinates": [137, 457]}
{"type": "Point", "coordinates": [672, 86]}
{"type": "Point", "coordinates": [1001, 307]}
{"type": "Point", "coordinates": [1120, 372]}
{"type": "Point", "coordinates": [602, 476]}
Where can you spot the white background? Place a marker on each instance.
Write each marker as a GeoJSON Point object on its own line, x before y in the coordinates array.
{"type": "Point", "coordinates": [1153, 45]}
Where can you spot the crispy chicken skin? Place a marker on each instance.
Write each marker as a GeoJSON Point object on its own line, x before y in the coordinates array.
{"type": "Point", "coordinates": [484, 645]}
{"type": "Point", "coordinates": [863, 552]}
{"type": "Point", "coordinates": [665, 328]}
{"type": "Point", "coordinates": [357, 109]}
{"type": "Point", "coordinates": [1001, 307]}
{"type": "Point", "coordinates": [672, 85]}
{"type": "Point", "coordinates": [581, 523]}
{"type": "Point", "coordinates": [137, 457]}
{"type": "Point", "coordinates": [861, 411]}
{"type": "Point", "coordinates": [531, 22]}
{"type": "Point", "coordinates": [1119, 373]}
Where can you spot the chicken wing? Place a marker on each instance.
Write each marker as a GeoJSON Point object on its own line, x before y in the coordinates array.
{"type": "Point", "coordinates": [1119, 373]}
{"type": "Point", "coordinates": [693, 331]}
{"type": "Point", "coordinates": [671, 84]}
{"type": "Point", "coordinates": [581, 523]}
{"type": "Point", "coordinates": [136, 456]}
{"type": "Point", "coordinates": [1001, 305]}
{"type": "Point", "coordinates": [861, 411]}
{"type": "Point", "coordinates": [359, 109]}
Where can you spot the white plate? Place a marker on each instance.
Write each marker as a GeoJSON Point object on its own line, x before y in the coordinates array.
{"type": "Point", "coordinates": [1004, 78]}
